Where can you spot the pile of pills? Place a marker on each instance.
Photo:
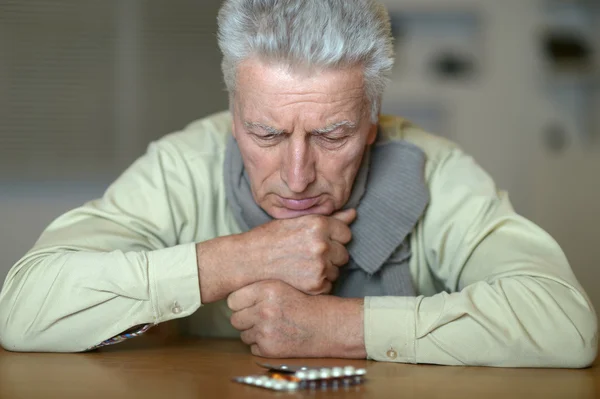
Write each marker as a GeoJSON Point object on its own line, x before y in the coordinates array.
{"type": "Point", "coordinates": [283, 378]}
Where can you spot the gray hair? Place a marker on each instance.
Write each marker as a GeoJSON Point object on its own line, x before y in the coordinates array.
{"type": "Point", "coordinates": [309, 33]}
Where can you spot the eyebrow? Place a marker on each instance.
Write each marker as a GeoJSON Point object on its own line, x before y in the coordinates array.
{"type": "Point", "coordinates": [334, 126]}
{"type": "Point", "coordinates": [324, 130]}
{"type": "Point", "coordinates": [268, 129]}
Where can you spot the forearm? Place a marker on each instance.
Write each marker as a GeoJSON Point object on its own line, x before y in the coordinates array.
{"type": "Point", "coordinates": [222, 267]}
{"type": "Point", "coordinates": [520, 321]}
{"type": "Point", "coordinates": [511, 322]}
{"type": "Point", "coordinates": [343, 318]}
{"type": "Point", "coordinates": [71, 301]}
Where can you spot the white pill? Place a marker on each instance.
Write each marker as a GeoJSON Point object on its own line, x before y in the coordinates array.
{"type": "Point", "coordinates": [261, 381]}
{"type": "Point", "coordinates": [324, 373]}
{"type": "Point", "coordinates": [337, 372]}
{"type": "Point", "coordinates": [301, 375]}
{"type": "Point", "coordinates": [313, 375]}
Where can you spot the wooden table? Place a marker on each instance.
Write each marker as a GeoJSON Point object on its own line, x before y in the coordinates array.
{"type": "Point", "coordinates": [203, 369]}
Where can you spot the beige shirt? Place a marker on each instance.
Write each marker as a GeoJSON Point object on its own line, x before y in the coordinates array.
{"type": "Point", "coordinates": [494, 289]}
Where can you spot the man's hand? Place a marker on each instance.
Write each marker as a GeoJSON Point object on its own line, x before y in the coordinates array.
{"type": "Point", "coordinates": [304, 252]}
{"type": "Point", "coordinates": [277, 320]}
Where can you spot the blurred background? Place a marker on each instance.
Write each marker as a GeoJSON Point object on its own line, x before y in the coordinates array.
{"type": "Point", "coordinates": [85, 85]}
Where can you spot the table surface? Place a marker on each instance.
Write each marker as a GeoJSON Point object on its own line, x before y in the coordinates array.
{"type": "Point", "coordinates": [203, 368]}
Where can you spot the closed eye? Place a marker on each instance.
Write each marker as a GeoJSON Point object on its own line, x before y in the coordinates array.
{"type": "Point", "coordinates": [267, 139]}
{"type": "Point", "coordinates": [331, 139]}
{"type": "Point", "coordinates": [331, 142]}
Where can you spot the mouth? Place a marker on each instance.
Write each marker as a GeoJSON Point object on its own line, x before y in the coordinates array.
{"type": "Point", "coordinates": [299, 204]}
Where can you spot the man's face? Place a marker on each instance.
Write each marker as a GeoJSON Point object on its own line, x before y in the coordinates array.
{"type": "Point", "coordinates": [302, 136]}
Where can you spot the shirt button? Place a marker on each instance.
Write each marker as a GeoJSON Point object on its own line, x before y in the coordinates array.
{"type": "Point", "coordinates": [176, 309]}
{"type": "Point", "coordinates": [392, 354]}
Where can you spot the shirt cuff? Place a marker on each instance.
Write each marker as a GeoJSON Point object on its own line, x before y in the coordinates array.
{"type": "Point", "coordinates": [174, 284]}
{"type": "Point", "coordinates": [389, 325]}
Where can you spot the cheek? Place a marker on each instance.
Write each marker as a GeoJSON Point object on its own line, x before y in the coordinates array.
{"type": "Point", "coordinates": [260, 164]}
{"type": "Point", "coordinates": [341, 170]}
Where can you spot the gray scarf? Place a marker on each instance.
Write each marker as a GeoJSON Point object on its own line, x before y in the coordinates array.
{"type": "Point", "coordinates": [389, 194]}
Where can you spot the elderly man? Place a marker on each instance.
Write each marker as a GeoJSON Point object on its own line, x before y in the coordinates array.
{"type": "Point", "coordinates": [305, 223]}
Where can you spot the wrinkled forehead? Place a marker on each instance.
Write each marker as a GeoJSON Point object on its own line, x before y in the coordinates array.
{"type": "Point", "coordinates": [275, 85]}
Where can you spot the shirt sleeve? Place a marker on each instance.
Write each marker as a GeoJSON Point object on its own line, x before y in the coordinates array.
{"type": "Point", "coordinates": [113, 266]}
{"type": "Point", "coordinates": [508, 295]}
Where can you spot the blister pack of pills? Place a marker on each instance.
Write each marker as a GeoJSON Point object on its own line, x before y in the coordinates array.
{"type": "Point", "coordinates": [291, 378]}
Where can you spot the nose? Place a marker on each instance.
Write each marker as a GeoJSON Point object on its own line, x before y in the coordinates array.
{"type": "Point", "coordinates": [298, 165]}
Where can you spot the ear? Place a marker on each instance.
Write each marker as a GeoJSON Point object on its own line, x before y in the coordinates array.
{"type": "Point", "coordinates": [372, 134]}
{"type": "Point", "coordinates": [233, 130]}
{"type": "Point", "coordinates": [233, 112]}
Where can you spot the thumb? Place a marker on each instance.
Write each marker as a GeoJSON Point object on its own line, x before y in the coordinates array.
{"type": "Point", "coordinates": [347, 215]}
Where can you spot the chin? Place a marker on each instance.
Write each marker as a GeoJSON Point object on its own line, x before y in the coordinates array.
{"type": "Point", "coordinates": [285, 213]}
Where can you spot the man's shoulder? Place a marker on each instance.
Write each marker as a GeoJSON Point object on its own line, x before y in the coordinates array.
{"type": "Point", "coordinates": [435, 148]}
{"type": "Point", "coordinates": [202, 137]}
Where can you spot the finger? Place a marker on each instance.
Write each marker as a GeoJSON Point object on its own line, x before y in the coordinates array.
{"type": "Point", "coordinates": [346, 216]}
{"type": "Point", "coordinates": [243, 319]}
{"type": "Point", "coordinates": [243, 298]}
{"type": "Point", "coordinates": [248, 337]}
{"type": "Point", "coordinates": [339, 231]}
{"type": "Point", "coordinates": [255, 350]}
{"type": "Point", "coordinates": [338, 254]}
{"type": "Point", "coordinates": [332, 273]}
{"type": "Point", "coordinates": [327, 287]}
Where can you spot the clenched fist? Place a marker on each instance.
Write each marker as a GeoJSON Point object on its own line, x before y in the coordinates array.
{"type": "Point", "coordinates": [304, 252]}
{"type": "Point", "coordinates": [277, 320]}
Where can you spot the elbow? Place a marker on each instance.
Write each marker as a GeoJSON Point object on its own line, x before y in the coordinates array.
{"type": "Point", "coordinates": [17, 335]}
{"type": "Point", "coordinates": [576, 347]}
{"type": "Point", "coordinates": [564, 333]}
{"type": "Point", "coordinates": [26, 324]}
{"type": "Point", "coordinates": [14, 334]}
{"type": "Point", "coordinates": [19, 331]}
{"type": "Point", "coordinates": [12, 337]}
{"type": "Point", "coordinates": [22, 334]}
{"type": "Point", "coordinates": [15, 331]}
{"type": "Point", "coordinates": [582, 352]}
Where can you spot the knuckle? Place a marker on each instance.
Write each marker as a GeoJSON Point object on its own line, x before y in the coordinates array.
{"type": "Point", "coordinates": [266, 350]}
{"type": "Point", "coordinates": [269, 291]}
{"type": "Point", "coordinates": [244, 336]}
{"type": "Point", "coordinates": [266, 333]}
{"type": "Point", "coordinates": [267, 312]}
{"type": "Point", "coordinates": [315, 286]}
{"type": "Point", "coordinates": [320, 248]}
{"type": "Point", "coordinates": [318, 222]}
{"type": "Point", "coordinates": [272, 289]}
{"type": "Point", "coordinates": [322, 269]}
